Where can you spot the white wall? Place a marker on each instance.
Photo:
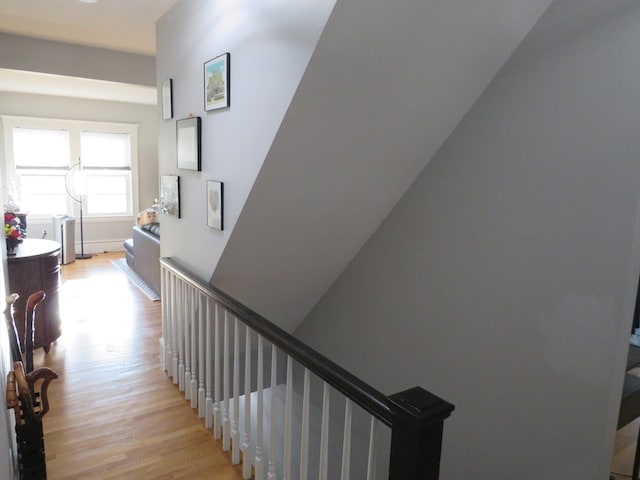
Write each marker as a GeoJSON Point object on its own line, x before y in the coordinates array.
{"type": "Point", "coordinates": [504, 281]}
{"type": "Point", "coordinates": [270, 43]}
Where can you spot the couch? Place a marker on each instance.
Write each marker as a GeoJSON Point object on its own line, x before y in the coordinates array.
{"type": "Point", "coordinates": [143, 253]}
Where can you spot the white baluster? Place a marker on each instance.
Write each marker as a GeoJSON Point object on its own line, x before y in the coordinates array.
{"type": "Point", "coordinates": [324, 434]}
{"type": "Point", "coordinates": [217, 418]}
{"type": "Point", "coordinates": [226, 431]}
{"type": "Point", "coordinates": [272, 415]}
{"type": "Point", "coordinates": [174, 329]}
{"type": "Point", "coordinates": [186, 325]}
{"type": "Point", "coordinates": [346, 441]}
{"type": "Point", "coordinates": [163, 307]}
{"type": "Point", "coordinates": [173, 363]}
{"type": "Point", "coordinates": [210, 327]}
{"type": "Point", "coordinates": [195, 314]}
{"type": "Point", "coordinates": [304, 440]}
{"type": "Point", "coordinates": [259, 460]}
{"type": "Point", "coordinates": [246, 436]}
{"type": "Point", "coordinates": [371, 464]}
{"type": "Point", "coordinates": [203, 343]}
{"type": "Point", "coordinates": [181, 321]}
{"type": "Point", "coordinates": [167, 333]}
{"type": "Point", "coordinates": [288, 414]}
{"type": "Point", "coordinates": [235, 429]}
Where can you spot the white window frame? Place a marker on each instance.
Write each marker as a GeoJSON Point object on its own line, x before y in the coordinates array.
{"type": "Point", "coordinates": [74, 127]}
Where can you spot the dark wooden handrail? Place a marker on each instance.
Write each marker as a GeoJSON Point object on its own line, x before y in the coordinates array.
{"type": "Point", "coordinates": [363, 394]}
{"type": "Point", "coordinates": [415, 415]}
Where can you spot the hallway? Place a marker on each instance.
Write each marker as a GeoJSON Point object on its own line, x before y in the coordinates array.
{"type": "Point", "coordinates": [114, 413]}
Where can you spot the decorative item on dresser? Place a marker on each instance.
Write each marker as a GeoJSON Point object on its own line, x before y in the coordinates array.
{"type": "Point", "coordinates": [15, 229]}
{"type": "Point", "coordinates": [35, 266]}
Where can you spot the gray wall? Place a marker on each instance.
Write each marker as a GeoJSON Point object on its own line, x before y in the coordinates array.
{"type": "Point", "coordinates": [387, 83]}
{"type": "Point", "coordinates": [270, 43]}
{"type": "Point", "coordinates": [504, 280]}
{"type": "Point", "coordinates": [85, 62]}
{"type": "Point", "coordinates": [35, 55]}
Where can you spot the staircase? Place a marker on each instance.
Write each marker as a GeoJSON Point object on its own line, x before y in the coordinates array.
{"type": "Point", "coordinates": [282, 409]}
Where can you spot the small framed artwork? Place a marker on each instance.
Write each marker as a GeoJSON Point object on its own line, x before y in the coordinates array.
{"type": "Point", "coordinates": [216, 82]}
{"type": "Point", "coordinates": [167, 99]}
{"type": "Point", "coordinates": [170, 195]}
{"type": "Point", "coordinates": [188, 143]}
{"type": "Point", "coordinates": [215, 216]}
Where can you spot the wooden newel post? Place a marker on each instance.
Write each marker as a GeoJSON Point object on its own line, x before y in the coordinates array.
{"type": "Point", "coordinates": [416, 435]}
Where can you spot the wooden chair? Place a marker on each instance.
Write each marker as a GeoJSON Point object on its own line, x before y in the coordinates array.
{"type": "Point", "coordinates": [27, 392]}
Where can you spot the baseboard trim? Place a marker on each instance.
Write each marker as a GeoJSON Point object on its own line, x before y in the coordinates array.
{"type": "Point", "coordinates": [101, 247]}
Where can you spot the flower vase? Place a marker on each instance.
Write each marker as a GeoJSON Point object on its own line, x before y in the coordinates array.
{"type": "Point", "coordinates": [12, 244]}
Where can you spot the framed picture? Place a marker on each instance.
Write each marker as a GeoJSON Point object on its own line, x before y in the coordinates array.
{"type": "Point", "coordinates": [167, 99]}
{"type": "Point", "coordinates": [170, 195]}
{"type": "Point", "coordinates": [216, 82]}
{"type": "Point", "coordinates": [188, 143]}
{"type": "Point", "coordinates": [215, 203]}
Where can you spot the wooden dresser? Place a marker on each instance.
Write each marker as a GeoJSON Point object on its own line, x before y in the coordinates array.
{"type": "Point", "coordinates": [35, 266]}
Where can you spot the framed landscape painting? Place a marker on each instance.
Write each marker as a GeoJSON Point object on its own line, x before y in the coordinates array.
{"type": "Point", "coordinates": [216, 82]}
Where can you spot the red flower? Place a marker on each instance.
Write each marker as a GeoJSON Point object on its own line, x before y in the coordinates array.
{"type": "Point", "coordinates": [12, 227]}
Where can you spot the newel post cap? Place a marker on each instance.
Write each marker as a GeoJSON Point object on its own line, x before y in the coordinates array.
{"type": "Point", "coordinates": [419, 407]}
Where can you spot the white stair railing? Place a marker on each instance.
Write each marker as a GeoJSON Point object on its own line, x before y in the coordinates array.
{"type": "Point", "coordinates": [239, 372]}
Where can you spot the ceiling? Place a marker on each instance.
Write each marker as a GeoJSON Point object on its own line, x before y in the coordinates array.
{"type": "Point", "coordinates": [123, 25]}
{"type": "Point", "coordinates": [120, 25]}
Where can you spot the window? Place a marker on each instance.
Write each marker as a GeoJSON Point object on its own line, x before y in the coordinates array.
{"type": "Point", "coordinates": [106, 158]}
{"type": "Point", "coordinates": [41, 158]}
{"type": "Point", "coordinates": [53, 162]}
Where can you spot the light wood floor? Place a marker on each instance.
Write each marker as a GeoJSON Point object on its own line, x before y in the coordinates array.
{"type": "Point", "coordinates": [114, 413]}
{"type": "Point", "coordinates": [625, 446]}
{"type": "Point", "coordinates": [624, 450]}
